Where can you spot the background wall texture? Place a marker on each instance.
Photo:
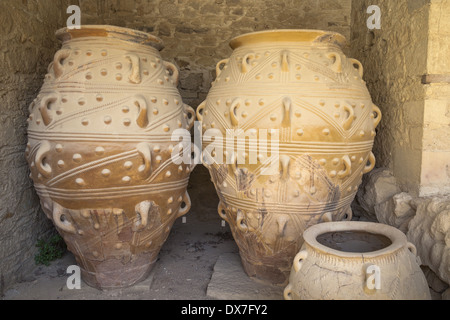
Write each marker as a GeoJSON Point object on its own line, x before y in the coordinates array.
{"type": "Point", "coordinates": [413, 43]}
{"type": "Point", "coordinates": [196, 33]}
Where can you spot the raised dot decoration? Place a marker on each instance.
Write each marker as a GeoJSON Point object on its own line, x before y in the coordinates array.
{"type": "Point", "coordinates": [99, 151]}
{"type": "Point", "coordinates": [77, 157]}
{"type": "Point", "coordinates": [106, 172]}
{"type": "Point", "coordinates": [128, 165]}
{"type": "Point", "coordinates": [107, 119]}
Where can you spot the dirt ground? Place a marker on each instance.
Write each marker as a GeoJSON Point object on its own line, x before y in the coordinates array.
{"type": "Point", "coordinates": [184, 268]}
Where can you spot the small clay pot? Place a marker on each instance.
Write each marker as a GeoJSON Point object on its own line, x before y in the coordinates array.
{"type": "Point", "coordinates": [356, 261]}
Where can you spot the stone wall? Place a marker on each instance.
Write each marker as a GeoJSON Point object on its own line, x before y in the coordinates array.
{"type": "Point", "coordinates": [196, 32]}
{"type": "Point", "coordinates": [395, 59]}
{"type": "Point", "coordinates": [435, 169]}
{"type": "Point", "coordinates": [407, 72]}
{"type": "Point", "coordinates": [27, 45]}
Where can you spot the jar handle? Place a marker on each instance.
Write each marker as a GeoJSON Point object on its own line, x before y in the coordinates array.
{"type": "Point", "coordinates": [246, 62]}
{"type": "Point", "coordinates": [233, 163]}
{"type": "Point", "coordinates": [349, 214]}
{"type": "Point", "coordinates": [287, 106]}
{"type": "Point", "coordinates": [221, 209]}
{"type": "Point", "coordinates": [351, 117]}
{"type": "Point", "coordinates": [142, 118]}
{"type": "Point", "coordinates": [298, 260]}
{"type": "Point", "coordinates": [187, 207]}
{"type": "Point", "coordinates": [43, 168]}
{"type": "Point", "coordinates": [190, 112]}
{"type": "Point", "coordinates": [347, 167]}
{"type": "Point", "coordinates": [377, 111]}
{"type": "Point", "coordinates": [143, 149]}
{"type": "Point", "coordinates": [44, 109]}
{"type": "Point", "coordinates": [234, 120]}
{"type": "Point", "coordinates": [285, 162]}
{"type": "Point", "coordinates": [58, 68]}
{"type": "Point", "coordinates": [175, 73]}
{"type": "Point", "coordinates": [284, 61]}
{"type": "Point", "coordinates": [143, 209]}
{"type": "Point", "coordinates": [337, 65]}
{"type": "Point", "coordinates": [135, 76]}
{"type": "Point", "coordinates": [240, 221]}
{"type": "Point", "coordinates": [287, 293]}
{"type": "Point", "coordinates": [327, 217]}
{"type": "Point", "coordinates": [58, 212]}
{"type": "Point", "coordinates": [200, 111]}
{"type": "Point", "coordinates": [218, 69]}
{"type": "Point", "coordinates": [359, 67]}
{"type": "Point", "coordinates": [197, 154]}
{"type": "Point", "coordinates": [370, 166]}
{"type": "Point", "coordinates": [411, 247]}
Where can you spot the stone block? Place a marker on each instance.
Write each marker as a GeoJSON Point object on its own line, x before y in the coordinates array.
{"type": "Point", "coordinates": [192, 82]}
{"type": "Point", "coordinates": [435, 174]}
{"type": "Point", "coordinates": [230, 282]}
{"type": "Point", "coordinates": [429, 230]}
{"type": "Point", "coordinates": [396, 211]}
{"type": "Point", "coordinates": [446, 295]}
{"type": "Point", "coordinates": [378, 186]}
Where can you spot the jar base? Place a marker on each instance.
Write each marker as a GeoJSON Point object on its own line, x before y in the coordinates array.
{"type": "Point", "coordinates": [113, 274]}
{"type": "Point", "coordinates": [269, 270]}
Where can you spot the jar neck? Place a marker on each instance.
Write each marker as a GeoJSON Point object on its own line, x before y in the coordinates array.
{"type": "Point", "coordinates": [110, 34]}
{"type": "Point", "coordinates": [293, 37]}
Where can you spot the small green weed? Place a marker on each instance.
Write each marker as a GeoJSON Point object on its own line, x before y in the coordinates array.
{"type": "Point", "coordinates": [50, 250]}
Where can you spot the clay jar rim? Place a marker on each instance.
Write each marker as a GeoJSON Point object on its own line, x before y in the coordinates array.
{"type": "Point", "coordinates": [289, 35]}
{"type": "Point", "coordinates": [398, 238]}
{"type": "Point", "coordinates": [112, 32]}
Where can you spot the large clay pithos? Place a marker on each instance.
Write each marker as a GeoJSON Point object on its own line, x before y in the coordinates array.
{"type": "Point", "coordinates": [356, 261]}
{"type": "Point", "coordinates": [100, 151]}
{"type": "Point", "coordinates": [300, 88]}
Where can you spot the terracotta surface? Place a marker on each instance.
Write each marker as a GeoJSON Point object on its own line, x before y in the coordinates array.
{"type": "Point", "coordinates": [100, 151]}
{"type": "Point", "coordinates": [320, 271]}
{"type": "Point", "coordinates": [300, 83]}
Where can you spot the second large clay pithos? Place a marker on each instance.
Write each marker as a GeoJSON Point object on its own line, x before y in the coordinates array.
{"type": "Point", "coordinates": [303, 107]}
{"type": "Point", "coordinates": [100, 151]}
